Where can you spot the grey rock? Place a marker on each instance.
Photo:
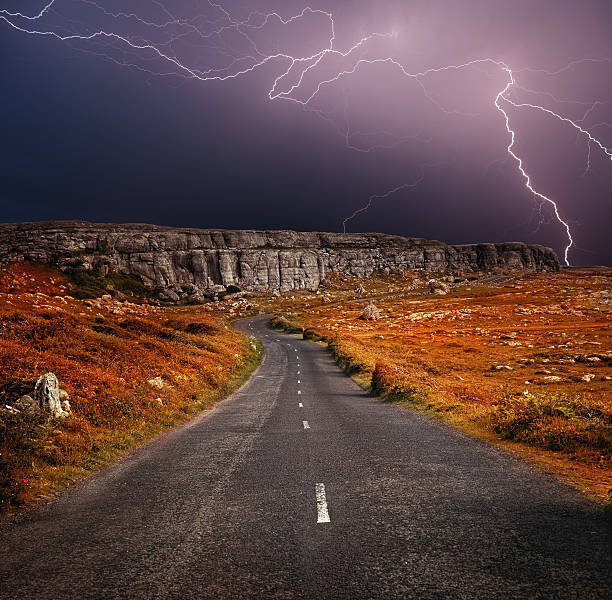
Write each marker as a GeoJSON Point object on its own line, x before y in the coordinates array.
{"type": "Point", "coordinates": [47, 395]}
{"type": "Point", "coordinates": [187, 262]}
{"type": "Point", "coordinates": [169, 295]}
{"type": "Point", "coordinates": [27, 404]}
{"type": "Point", "coordinates": [437, 287]}
{"type": "Point", "coordinates": [370, 313]}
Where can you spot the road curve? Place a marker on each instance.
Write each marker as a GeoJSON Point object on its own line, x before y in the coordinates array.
{"type": "Point", "coordinates": [300, 485]}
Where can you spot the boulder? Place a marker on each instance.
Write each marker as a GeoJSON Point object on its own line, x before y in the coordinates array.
{"type": "Point", "coordinates": [27, 404]}
{"type": "Point", "coordinates": [370, 313]}
{"type": "Point", "coordinates": [47, 395]}
{"type": "Point", "coordinates": [157, 382]}
{"type": "Point", "coordinates": [169, 295]}
{"type": "Point", "coordinates": [437, 287]}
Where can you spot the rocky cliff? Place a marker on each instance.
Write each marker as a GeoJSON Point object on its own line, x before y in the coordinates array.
{"type": "Point", "coordinates": [181, 263]}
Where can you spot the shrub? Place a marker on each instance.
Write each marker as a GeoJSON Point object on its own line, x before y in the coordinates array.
{"type": "Point", "coordinates": [552, 423]}
{"type": "Point", "coordinates": [283, 324]}
{"type": "Point", "coordinates": [200, 329]}
{"type": "Point", "coordinates": [93, 284]}
{"type": "Point", "coordinates": [311, 334]}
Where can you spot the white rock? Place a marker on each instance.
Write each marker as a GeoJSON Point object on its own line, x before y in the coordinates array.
{"type": "Point", "coordinates": [47, 395]}
{"type": "Point", "coordinates": [157, 382]}
{"type": "Point", "coordinates": [437, 287]}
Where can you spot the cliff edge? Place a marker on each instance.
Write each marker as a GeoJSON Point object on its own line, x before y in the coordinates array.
{"type": "Point", "coordinates": [181, 262]}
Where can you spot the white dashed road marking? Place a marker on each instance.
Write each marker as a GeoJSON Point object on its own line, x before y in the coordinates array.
{"type": "Point", "coordinates": [300, 405]}
{"type": "Point", "coordinates": [299, 392]}
{"type": "Point", "coordinates": [322, 512]}
{"type": "Point", "coordinates": [306, 426]}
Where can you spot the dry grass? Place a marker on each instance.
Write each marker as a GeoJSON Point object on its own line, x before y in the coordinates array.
{"type": "Point", "coordinates": [523, 363]}
{"type": "Point", "coordinates": [103, 352]}
{"type": "Point", "coordinates": [526, 360]}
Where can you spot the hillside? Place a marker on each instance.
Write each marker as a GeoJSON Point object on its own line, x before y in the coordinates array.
{"type": "Point", "coordinates": [130, 370]}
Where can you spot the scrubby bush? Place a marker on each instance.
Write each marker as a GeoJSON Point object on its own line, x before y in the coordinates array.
{"type": "Point", "coordinates": [311, 334]}
{"type": "Point", "coordinates": [553, 423]}
{"type": "Point", "coordinates": [93, 284]}
{"type": "Point", "coordinates": [283, 324]}
{"type": "Point", "coordinates": [390, 383]}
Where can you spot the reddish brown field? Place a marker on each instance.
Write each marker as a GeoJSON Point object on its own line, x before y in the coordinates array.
{"type": "Point", "coordinates": [524, 363]}
{"type": "Point", "coordinates": [103, 351]}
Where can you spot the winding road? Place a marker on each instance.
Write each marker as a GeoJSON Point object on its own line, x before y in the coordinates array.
{"type": "Point", "coordinates": [301, 485]}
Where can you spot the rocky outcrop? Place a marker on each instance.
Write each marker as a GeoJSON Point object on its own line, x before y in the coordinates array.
{"type": "Point", "coordinates": [179, 263]}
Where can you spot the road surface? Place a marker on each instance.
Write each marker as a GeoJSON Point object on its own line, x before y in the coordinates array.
{"type": "Point", "coordinates": [301, 485]}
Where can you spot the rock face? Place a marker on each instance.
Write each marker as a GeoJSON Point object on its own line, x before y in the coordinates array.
{"type": "Point", "coordinates": [180, 263]}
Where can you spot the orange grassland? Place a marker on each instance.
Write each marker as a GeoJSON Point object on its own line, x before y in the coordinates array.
{"type": "Point", "coordinates": [522, 362]}
{"type": "Point", "coordinates": [103, 352]}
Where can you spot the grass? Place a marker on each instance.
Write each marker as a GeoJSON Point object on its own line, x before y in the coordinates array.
{"type": "Point", "coordinates": [92, 284]}
{"type": "Point", "coordinates": [104, 354]}
{"type": "Point", "coordinates": [525, 363]}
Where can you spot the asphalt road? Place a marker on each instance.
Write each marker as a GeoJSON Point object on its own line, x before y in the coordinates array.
{"type": "Point", "coordinates": [302, 486]}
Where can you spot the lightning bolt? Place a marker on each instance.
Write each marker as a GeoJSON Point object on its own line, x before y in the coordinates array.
{"type": "Point", "coordinates": [296, 73]}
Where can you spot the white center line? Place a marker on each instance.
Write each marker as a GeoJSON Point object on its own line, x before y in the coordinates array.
{"type": "Point", "coordinates": [300, 405]}
{"type": "Point", "coordinates": [306, 426]}
{"type": "Point", "coordinates": [322, 513]}
{"type": "Point", "coordinates": [298, 372]}
{"type": "Point", "coordinates": [299, 392]}
{"type": "Point", "coordinates": [299, 381]}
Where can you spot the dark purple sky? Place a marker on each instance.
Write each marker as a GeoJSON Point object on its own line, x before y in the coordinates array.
{"type": "Point", "coordinates": [89, 132]}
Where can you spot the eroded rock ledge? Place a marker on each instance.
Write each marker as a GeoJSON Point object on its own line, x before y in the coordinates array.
{"type": "Point", "coordinates": [187, 262]}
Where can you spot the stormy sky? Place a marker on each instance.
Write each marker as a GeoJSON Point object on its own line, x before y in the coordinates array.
{"type": "Point", "coordinates": [168, 113]}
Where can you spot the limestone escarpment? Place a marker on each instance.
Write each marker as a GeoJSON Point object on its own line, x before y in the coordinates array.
{"type": "Point", "coordinates": [190, 262]}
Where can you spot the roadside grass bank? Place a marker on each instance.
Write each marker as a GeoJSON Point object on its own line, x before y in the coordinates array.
{"type": "Point", "coordinates": [131, 370]}
{"type": "Point", "coordinates": [525, 365]}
